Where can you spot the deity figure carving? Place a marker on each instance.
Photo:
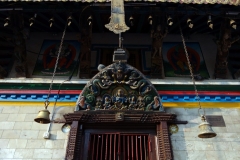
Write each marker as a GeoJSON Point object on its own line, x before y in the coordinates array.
{"type": "Point", "coordinates": [20, 35]}
{"type": "Point", "coordinates": [98, 103]}
{"type": "Point", "coordinates": [157, 40]}
{"type": "Point", "coordinates": [106, 79]}
{"type": "Point", "coordinates": [132, 103]}
{"type": "Point", "coordinates": [223, 45]}
{"type": "Point", "coordinates": [140, 103]}
{"type": "Point", "coordinates": [119, 75]}
{"type": "Point", "coordinates": [156, 56]}
{"type": "Point", "coordinates": [120, 100]}
{"type": "Point", "coordinates": [156, 104]}
{"type": "Point", "coordinates": [107, 103]}
{"type": "Point", "coordinates": [83, 105]}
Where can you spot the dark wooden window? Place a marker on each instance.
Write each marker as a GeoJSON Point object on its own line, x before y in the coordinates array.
{"type": "Point", "coordinates": [119, 146]}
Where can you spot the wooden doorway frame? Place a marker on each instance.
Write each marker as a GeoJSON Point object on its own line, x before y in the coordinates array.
{"type": "Point", "coordinates": [79, 119]}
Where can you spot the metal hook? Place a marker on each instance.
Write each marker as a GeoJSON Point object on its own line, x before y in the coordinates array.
{"type": "Point", "coordinates": [200, 113]}
{"type": "Point", "coordinates": [46, 104]}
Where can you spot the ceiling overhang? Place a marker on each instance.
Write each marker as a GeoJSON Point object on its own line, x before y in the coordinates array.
{"type": "Point", "coordinates": [228, 2]}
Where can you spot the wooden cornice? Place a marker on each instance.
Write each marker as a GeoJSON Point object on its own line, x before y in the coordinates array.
{"type": "Point", "coordinates": [128, 116]}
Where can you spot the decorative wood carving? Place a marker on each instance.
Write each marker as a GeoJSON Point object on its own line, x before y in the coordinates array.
{"type": "Point", "coordinates": [109, 116]}
{"type": "Point", "coordinates": [20, 34]}
{"type": "Point", "coordinates": [119, 95]}
{"type": "Point", "coordinates": [119, 87]}
{"type": "Point", "coordinates": [164, 146]}
{"type": "Point", "coordinates": [71, 147]}
{"type": "Point", "coordinates": [78, 144]}
{"type": "Point", "coordinates": [85, 40]}
{"type": "Point", "coordinates": [157, 36]}
{"type": "Point", "coordinates": [223, 44]}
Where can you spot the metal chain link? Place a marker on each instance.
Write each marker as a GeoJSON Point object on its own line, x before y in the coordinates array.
{"type": "Point", "coordinates": [190, 68]}
{"type": "Point", "coordinates": [56, 65]}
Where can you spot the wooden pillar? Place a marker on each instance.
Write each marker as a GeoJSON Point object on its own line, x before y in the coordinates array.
{"type": "Point", "coordinates": [164, 145]}
{"type": "Point", "coordinates": [20, 34]}
{"type": "Point", "coordinates": [73, 150]}
{"type": "Point", "coordinates": [157, 36]}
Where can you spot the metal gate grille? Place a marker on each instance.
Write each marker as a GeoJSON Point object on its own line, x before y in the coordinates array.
{"type": "Point", "coordinates": [119, 147]}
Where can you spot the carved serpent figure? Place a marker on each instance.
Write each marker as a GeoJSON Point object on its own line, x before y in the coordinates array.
{"type": "Point", "coordinates": [139, 84]}
{"type": "Point", "coordinates": [103, 85]}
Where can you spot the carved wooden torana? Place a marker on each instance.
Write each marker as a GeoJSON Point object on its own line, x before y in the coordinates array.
{"type": "Point", "coordinates": [121, 96]}
{"type": "Point", "coordinates": [119, 86]}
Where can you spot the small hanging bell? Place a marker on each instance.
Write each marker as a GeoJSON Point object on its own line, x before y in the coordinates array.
{"type": "Point", "coordinates": [205, 129]}
{"type": "Point", "coordinates": [43, 117]}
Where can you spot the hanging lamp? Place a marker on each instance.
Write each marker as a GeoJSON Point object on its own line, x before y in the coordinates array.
{"type": "Point", "coordinates": [43, 115]}
{"type": "Point", "coordinates": [204, 127]}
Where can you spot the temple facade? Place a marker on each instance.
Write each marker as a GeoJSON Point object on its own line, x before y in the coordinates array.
{"type": "Point", "coordinates": [166, 89]}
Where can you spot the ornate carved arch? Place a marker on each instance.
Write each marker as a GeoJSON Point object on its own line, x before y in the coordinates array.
{"type": "Point", "coordinates": [119, 95]}
{"type": "Point", "coordinates": [119, 86]}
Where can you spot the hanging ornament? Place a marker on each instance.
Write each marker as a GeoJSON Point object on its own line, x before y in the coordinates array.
{"type": "Point", "coordinates": [205, 127]}
{"type": "Point", "coordinates": [117, 23]}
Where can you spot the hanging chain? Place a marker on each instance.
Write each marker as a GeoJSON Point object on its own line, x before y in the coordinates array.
{"type": "Point", "coordinates": [190, 68]}
{"type": "Point", "coordinates": [56, 65]}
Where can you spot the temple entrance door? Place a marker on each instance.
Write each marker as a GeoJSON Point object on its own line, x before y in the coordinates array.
{"type": "Point", "coordinates": [121, 144]}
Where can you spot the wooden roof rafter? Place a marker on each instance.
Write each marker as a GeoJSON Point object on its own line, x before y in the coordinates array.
{"type": "Point", "coordinates": [225, 2]}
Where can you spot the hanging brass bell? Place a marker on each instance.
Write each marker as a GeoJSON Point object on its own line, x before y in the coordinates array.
{"type": "Point", "coordinates": [205, 129]}
{"type": "Point", "coordinates": [43, 117]}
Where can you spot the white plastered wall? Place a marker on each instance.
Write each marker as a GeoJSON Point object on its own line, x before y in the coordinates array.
{"type": "Point", "coordinates": [22, 138]}
{"type": "Point", "coordinates": [225, 146]}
